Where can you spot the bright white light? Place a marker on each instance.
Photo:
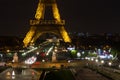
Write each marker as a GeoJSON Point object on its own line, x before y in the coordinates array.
{"type": "Point", "coordinates": [92, 59]}
{"type": "Point", "coordinates": [110, 56]}
{"type": "Point", "coordinates": [29, 51]}
{"type": "Point", "coordinates": [13, 60]}
{"type": "Point", "coordinates": [96, 60]}
{"type": "Point", "coordinates": [71, 48]}
{"type": "Point", "coordinates": [69, 61]}
{"type": "Point", "coordinates": [102, 56]}
{"type": "Point", "coordinates": [43, 60]}
{"type": "Point", "coordinates": [104, 51]}
{"type": "Point", "coordinates": [78, 54]}
{"type": "Point", "coordinates": [55, 50]}
{"type": "Point", "coordinates": [86, 57]}
{"type": "Point", "coordinates": [31, 60]}
{"type": "Point", "coordinates": [109, 63]}
{"type": "Point", "coordinates": [37, 53]}
{"type": "Point", "coordinates": [13, 74]}
{"type": "Point", "coordinates": [8, 50]}
{"type": "Point", "coordinates": [102, 61]}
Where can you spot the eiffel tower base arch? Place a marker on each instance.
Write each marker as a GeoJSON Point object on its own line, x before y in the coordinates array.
{"type": "Point", "coordinates": [41, 25]}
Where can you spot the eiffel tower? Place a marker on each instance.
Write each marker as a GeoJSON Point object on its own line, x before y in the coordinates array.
{"type": "Point", "coordinates": [40, 25]}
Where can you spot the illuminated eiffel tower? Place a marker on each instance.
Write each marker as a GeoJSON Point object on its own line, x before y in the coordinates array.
{"type": "Point", "coordinates": [40, 25]}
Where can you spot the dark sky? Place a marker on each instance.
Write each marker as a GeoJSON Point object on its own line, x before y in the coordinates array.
{"type": "Point", "coordinates": [93, 16]}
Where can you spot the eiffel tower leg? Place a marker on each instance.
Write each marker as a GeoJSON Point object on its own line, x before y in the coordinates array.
{"type": "Point", "coordinates": [40, 10]}
{"type": "Point", "coordinates": [56, 12]}
{"type": "Point", "coordinates": [29, 36]}
{"type": "Point", "coordinates": [64, 34]}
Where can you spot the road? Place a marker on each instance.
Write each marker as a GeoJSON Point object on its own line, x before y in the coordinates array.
{"type": "Point", "coordinates": [87, 74]}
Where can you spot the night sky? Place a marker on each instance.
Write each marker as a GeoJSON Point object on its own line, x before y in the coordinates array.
{"type": "Point", "coordinates": [93, 16]}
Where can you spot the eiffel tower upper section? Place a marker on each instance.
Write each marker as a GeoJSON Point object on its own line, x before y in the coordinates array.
{"type": "Point", "coordinates": [41, 12]}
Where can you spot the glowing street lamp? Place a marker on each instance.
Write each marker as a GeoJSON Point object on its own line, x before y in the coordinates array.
{"type": "Point", "coordinates": [96, 60]}
{"type": "Point", "coordinates": [110, 63]}
{"type": "Point", "coordinates": [69, 61]}
{"type": "Point", "coordinates": [92, 59]}
{"type": "Point", "coordinates": [43, 60]}
{"type": "Point", "coordinates": [37, 53]}
{"type": "Point", "coordinates": [7, 50]}
{"type": "Point", "coordinates": [102, 61]}
{"type": "Point", "coordinates": [78, 54]}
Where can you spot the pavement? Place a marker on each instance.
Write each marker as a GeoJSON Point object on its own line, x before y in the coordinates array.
{"type": "Point", "coordinates": [87, 74]}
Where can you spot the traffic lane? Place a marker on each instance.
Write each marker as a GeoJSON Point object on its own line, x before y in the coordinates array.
{"type": "Point", "coordinates": [87, 74]}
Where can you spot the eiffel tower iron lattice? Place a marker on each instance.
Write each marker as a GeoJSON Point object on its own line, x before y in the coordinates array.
{"type": "Point", "coordinates": [40, 25]}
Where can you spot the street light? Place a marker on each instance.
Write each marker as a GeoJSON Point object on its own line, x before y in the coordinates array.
{"type": "Point", "coordinates": [43, 60]}
{"type": "Point", "coordinates": [96, 60]}
{"type": "Point", "coordinates": [69, 61]}
{"type": "Point", "coordinates": [78, 55]}
{"type": "Point", "coordinates": [110, 63]}
{"type": "Point", "coordinates": [92, 59]}
{"type": "Point", "coordinates": [102, 61]}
